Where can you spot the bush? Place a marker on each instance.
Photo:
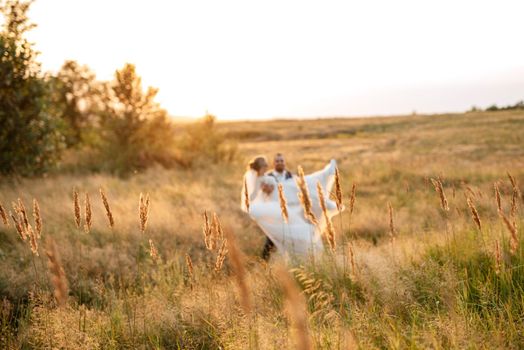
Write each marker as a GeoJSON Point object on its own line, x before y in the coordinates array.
{"type": "Point", "coordinates": [203, 143]}
{"type": "Point", "coordinates": [30, 141]}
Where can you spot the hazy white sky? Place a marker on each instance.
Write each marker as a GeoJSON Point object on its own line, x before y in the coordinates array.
{"type": "Point", "coordinates": [263, 59]}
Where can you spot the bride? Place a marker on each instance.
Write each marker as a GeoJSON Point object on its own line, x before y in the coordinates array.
{"type": "Point", "coordinates": [297, 236]}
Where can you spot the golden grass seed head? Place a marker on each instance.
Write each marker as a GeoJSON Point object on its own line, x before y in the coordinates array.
{"type": "Point", "coordinates": [3, 215]}
{"type": "Point", "coordinates": [352, 259]}
{"type": "Point", "coordinates": [329, 229]}
{"type": "Point", "coordinates": [221, 256]}
{"type": "Point", "coordinates": [352, 198]}
{"type": "Point", "coordinates": [76, 207]}
{"type": "Point", "coordinates": [474, 213]}
{"type": "Point", "coordinates": [207, 230]}
{"type": "Point", "coordinates": [23, 213]}
{"type": "Point", "coordinates": [143, 211]}
{"type": "Point", "coordinates": [58, 277]}
{"type": "Point", "coordinates": [238, 265]}
{"type": "Point", "coordinates": [338, 189]}
{"type": "Point", "coordinates": [498, 257]}
{"type": "Point", "coordinates": [19, 226]}
{"type": "Point", "coordinates": [33, 240]}
{"type": "Point", "coordinates": [88, 215]}
{"type": "Point", "coordinates": [439, 188]}
{"type": "Point", "coordinates": [153, 252]}
{"type": "Point", "coordinates": [38, 218]}
{"type": "Point", "coordinates": [497, 197]}
{"type": "Point", "coordinates": [189, 264]}
{"type": "Point", "coordinates": [392, 230]}
{"type": "Point", "coordinates": [216, 230]}
{"type": "Point", "coordinates": [283, 203]}
{"type": "Point", "coordinates": [512, 228]}
{"type": "Point", "coordinates": [246, 196]}
{"type": "Point", "coordinates": [514, 204]}
{"type": "Point", "coordinates": [304, 197]}
{"type": "Point", "coordinates": [512, 180]}
{"type": "Point", "coordinates": [296, 308]}
{"type": "Point", "coordinates": [109, 214]}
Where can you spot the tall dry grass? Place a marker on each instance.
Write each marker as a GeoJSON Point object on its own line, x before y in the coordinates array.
{"type": "Point", "coordinates": [433, 291]}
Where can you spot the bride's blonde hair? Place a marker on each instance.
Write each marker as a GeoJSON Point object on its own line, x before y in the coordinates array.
{"type": "Point", "coordinates": [256, 163]}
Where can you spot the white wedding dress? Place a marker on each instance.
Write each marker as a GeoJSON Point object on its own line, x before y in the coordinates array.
{"type": "Point", "coordinates": [298, 237]}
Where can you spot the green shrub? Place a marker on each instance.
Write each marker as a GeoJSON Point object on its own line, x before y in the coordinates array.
{"type": "Point", "coordinates": [30, 139]}
{"type": "Point", "coordinates": [203, 143]}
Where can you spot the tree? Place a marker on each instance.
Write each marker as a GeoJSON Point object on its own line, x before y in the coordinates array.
{"type": "Point", "coordinates": [30, 140]}
{"type": "Point", "coordinates": [76, 100]}
{"type": "Point", "coordinates": [135, 130]}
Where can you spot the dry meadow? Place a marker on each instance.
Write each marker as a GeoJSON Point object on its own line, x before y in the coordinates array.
{"type": "Point", "coordinates": [440, 270]}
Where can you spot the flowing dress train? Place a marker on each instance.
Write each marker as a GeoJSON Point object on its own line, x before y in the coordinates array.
{"type": "Point", "coordinates": [297, 236]}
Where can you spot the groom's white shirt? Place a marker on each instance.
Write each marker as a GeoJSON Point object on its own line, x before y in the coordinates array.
{"type": "Point", "coordinates": [279, 176]}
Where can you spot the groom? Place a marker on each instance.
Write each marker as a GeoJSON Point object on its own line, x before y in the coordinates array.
{"type": "Point", "coordinates": [280, 174]}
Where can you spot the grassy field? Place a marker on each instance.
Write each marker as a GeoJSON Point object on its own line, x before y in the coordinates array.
{"type": "Point", "coordinates": [440, 283]}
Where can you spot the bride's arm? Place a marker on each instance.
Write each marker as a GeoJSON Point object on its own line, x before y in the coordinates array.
{"type": "Point", "coordinates": [256, 189]}
{"type": "Point", "coordinates": [252, 185]}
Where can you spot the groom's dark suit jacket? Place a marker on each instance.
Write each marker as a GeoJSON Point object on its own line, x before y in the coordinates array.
{"type": "Point", "coordinates": [288, 174]}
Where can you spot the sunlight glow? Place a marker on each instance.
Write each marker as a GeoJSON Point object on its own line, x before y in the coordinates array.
{"type": "Point", "coordinates": [247, 59]}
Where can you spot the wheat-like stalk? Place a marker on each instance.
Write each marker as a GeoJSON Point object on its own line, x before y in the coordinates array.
{"type": "Point", "coordinates": [512, 180]}
{"type": "Point", "coordinates": [216, 230]}
{"type": "Point", "coordinates": [514, 204]}
{"type": "Point", "coordinates": [189, 264]}
{"type": "Point", "coordinates": [329, 230]}
{"type": "Point", "coordinates": [471, 192]}
{"type": "Point", "coordinates": [338, 190]}
{"type": "Point", "coordinates": [18, 225]}
{"type": "Point", "coordinates": [304, 197]}
{"type": "Point", "coordinates": [87, 214]}
{"type": "Point", "coordinates": [237, 263]}
{"type": "Point", "coordinates": [497, 197]}
{"type": "Point", "coordinates": [391, 223]}
{"type": "Point", "coordinates": [352, 259]}
{"type": "Point", "coordinates": [76, 205]}
{"type": "Point", "coordinates": [352, 198]}
{"type": "Point", "coordinates": [38, 218]}
{"type": "Point", "coordinates": [108, 209]}
{"type": "Point", "coordinates": [512, 228]}
{"type": "Point", "coordinates": [474, 213]}
{"type": "Point", "coordinates": [221, 256]}
{"type": "Point", "coordinates": [153, 252]}
{"type": "Point", "coordinates": [206, 228]}
{"type": "Point", "coordinates": [23, 213]}
{"type": "Point", "coordinates": [33, 240]}
{"type": "Point", "coordinates": [143, 211]}
{"type": "Point", "coordinates": [246, 195]}
{"type": "Point", "coordinates": [283, 203]}
{"type": "Point", "coordinates": [498, 257]}
{"type": "Point", "coordinates": [440, 190]}
{"type": "Point", "coordinates": [515, 186]}
{"type": "Point", "coordinates": [58, 277]}
{"type": "Point", "coordinates": [322, 200]}
{"type": "Point", "coordinates": [296, 306]}
{"type": "Point", "coordinates": [3, 215]}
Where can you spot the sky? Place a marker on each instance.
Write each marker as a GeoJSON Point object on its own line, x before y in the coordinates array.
{"type": "Point", "coordinates": [270, 59]}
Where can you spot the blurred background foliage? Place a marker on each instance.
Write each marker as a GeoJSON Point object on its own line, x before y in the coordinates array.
{"type": "Point", "coordinates": [72, 121]}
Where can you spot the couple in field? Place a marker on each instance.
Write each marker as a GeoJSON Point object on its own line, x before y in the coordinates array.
{"type": "Point", "coordinates": [294, 235]}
